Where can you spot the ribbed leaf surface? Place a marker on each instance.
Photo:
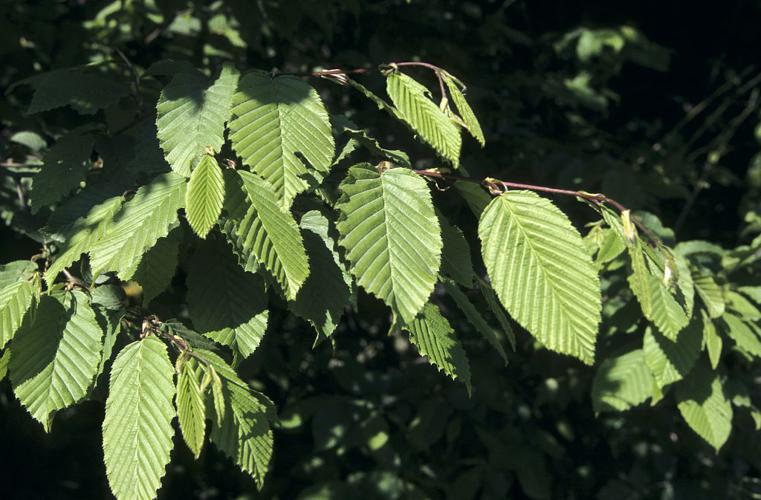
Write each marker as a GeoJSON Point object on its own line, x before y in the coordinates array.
{"type": "Point", "coordinates": [267, 234]}
{"type": "Point", "coordinates": [712, 339]}
{"type": "Point", "coordinates": [541, 271]}
{"type": "Point", "coordinates": [191, 116]}
{"type": "Point", "coordinates": [137, 226]}
{"type": "Point", "coordinates": [424, 116]}
{"type": "Point", "coordinates": [56, 356]}
{"type": "Point", "coordinates": [435, 339]}
{"type": "Point", "coordinates": [281, 129]}
{"type": "Point", "coordinates": [15, 300]}
{"type": "Point", "coordinates": [666, 313]}
{"type": "Point", "coordinates": [670, 361]}
{"type": "Point", "coordinates": [137, 429]}
{"type": "Point", "coordinates": [392, 237]}
{"type": "Point", "coordinates": [742, 334]}
{"type": "Point", "coordinates": [205, 196]}
{"type": "Point", "coordinates": [704, 406]}
{"type": "Point", "coordinates": [226, 303]}
{"type": "Point", "coordinates": [245, 433]}
{"type": "Point", "coordinates": [622, 382]}
{"type": "Point", "coordinates": [711, 295]}
{"type": "Point", "coordinates": [191, 409]}
{"type": "Point", "coordinates": [322, 299]}
{"type": "Point", "coordinates": [465, 111]}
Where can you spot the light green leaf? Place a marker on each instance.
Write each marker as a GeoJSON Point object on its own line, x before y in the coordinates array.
{"type": "Point", "coordinates": [244, 434]}
{"type": "Point", "coordinates": [138, 225]}
{"type": "Point", "coordinates": [670, 361]}
{"type": "Point", "coordinates": [414, 103]}
{"type": "Point", "coordinates": [158, 265]}
{"type": "Point", "coordinates": [205, 196]}
{"type": "Point", "coordinates": [435, 339]}
{"type": "Point", "coordinates": [541, 272]}
{"type": "Point", "coordinates": [464, 109]}
{"type": "Point", "coordinates": [704, 406]}
{"type": "Point", "coordinates": [742, 334]}
{"type": "Point", "coordinates": [754, 292]}
{"type": "Point", "coordinates": [191, 409]}
{"type": "Point", "coordinates": [455, 255]}
{"type": "Point", "coordinates": [322, 299]}
{"type": "Point", "coordinates": [712, 339]}
{"type": "Point", "coordinates": [5, 360]}
{"type": "Point", "coordinates": [16, 299]}
{"type": "Point", "coordinates": [281, 129]}
{"type": "Point", "coordinates": [622, 382]}
{"type": "Point", "coordinates": [742, 306]}
{"type": "Point", "coordinates": [267, 234]}
{"type": "Point", "coordinates": [137, 429]}
{"type": "Point", "coordinates": [191, 116]}
{"type": "Point", "coordinates": [56, 355]}
{"type": "Point", "coordinates": [16, 270]}
{"type": "Point", "coordinates": [474, 317]}
{"type": "Point", "coordinates": [391, 234]}
{"type": "Point", "coordinates": [226, 303]}
{"type": "Point", "coordinates": [711, 294]}
{"type": "Point", "coordinates": [80, 223]}
{"type": "Point", "coordinates": [65, 165]}
{"type": "Point", "coordinates": [667, 314]}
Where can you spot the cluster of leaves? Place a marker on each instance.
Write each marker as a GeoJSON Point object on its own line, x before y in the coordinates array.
{"type": "Point", "coordinates": [186, 216]}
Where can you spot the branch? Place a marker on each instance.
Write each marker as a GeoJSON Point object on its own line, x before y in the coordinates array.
{"type": "Point", "coordinates": [496, 186]}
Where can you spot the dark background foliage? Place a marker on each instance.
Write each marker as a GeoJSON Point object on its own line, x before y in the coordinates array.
{"type": "Point", "coordinates": [366, 416]}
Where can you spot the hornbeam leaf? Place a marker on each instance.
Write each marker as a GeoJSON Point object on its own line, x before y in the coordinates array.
{"type": "Point", "coordinates": [711, 295]}
{"type": "Point", "coordinates": [16, 299]}
{"type": "Point", "coordinates": [704, 406]}
{"type": "Point", "coordinates": [322, 299]}
{"type": "Point", "coordinates": [83, 90]}
{"type": "Point", "coordinates": [541, 272]}
{"type": "Point", "coordinates": [391, 234]}
{"type": "Point", "coordinates": [455, 255]}
{"type": "Point", "coordinates": [191, 116]}
{"type": "Point", "coordinates": [666, 313]}
{"type": "Point", "coordinates": [435, 339]}
{"type": "Point", "coordinates": [15, 271]}
{"type": "Point", "coordinates": [226, 303]}
{"type": "Point", "coordinates": [742, 334]}
{"type": "Point", "coordinates": [56, 355]}
{"type": "Point", "coordinates": [137, 226]}
{"type": "Point", "coordinates": [281, 129]}
{"type": "Point", "coordinates": [158, 265]}
{"type": "Point", "coordinates": [205, 196]}
{"type": "Point", "coordinates": [266, 234]}
{"type": "Point", "coordinates": [245, 433]}
{"type": "Point", "coordinates": [465, 111]}
{"type": "Point", "coordinates": [65, 165]}
{"type": "Point", "coordinates": [670, 361]}
{"type": "Point", "coordinates": [191, 409]}
{"type": "Point", "coordinates": [137, 429]}
{"type": "Point", "coordinates": [622, 382]}
{"type": "Point", "coordinates": [424, 116]}
{"type": "Point", "coordinates": [712, 339]}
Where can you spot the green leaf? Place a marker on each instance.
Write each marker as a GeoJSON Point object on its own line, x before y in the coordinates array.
{"type": "Point", "coordinates": [362, 137]}
{"type": "Point", "coordinates": [391, 234]}
{"type": "Point", "coordinates": [268, 235]}
{"type": "Point", "coordinates": [281, 129]}
{"type": "Point", "coordinates": [435, 339]}
{"type": "Point", "coordinates": [464, 109]}
{"type": "Point", "coordinates": [15, 271]}
{"type": "Point", "coordinates": [742, 306]}
{"type": "Point", "coordinates": [455, 255]}
{"type": "Point", "coordinates": [671, 361]}
{"type": "Point", "coordinates": [667, 314]}
{"type": "Point", "coordinates": [205, 196]}
{"type": "Point", "coordinates": [414, 103]}
{"type": "Point", "coordinates": [158, 266]}
{"type": "Point", "coordinates": [191, 116]}
{"type": "Point", "coordinates": [138, 225]}
{"type": "Point", "coordinates": [65, 165]}
{"type": "Point", "coordinates": [85, 91]}
{"type": "Point", "coordinates": [541, 272]}
{"type": "Point", "coordinates": [244, 434]}
{"type": "Point", "coordinates": [81, 222]}
{"type": "Point", "coordinates": [226, 303]}
{"type": "Point", "coordinates": [754, 292]}
{"type": "Point", "coordinates": [497, 310]}
{"type": "Point", "coordinates": [322, 299]}
{"type": "Point", "coordinates": [16, 299]}
{"type": "Point", "coordinates": [742, 334]}
{"type": "Point", "coordinates": [622, 382]}
{"type": "Point", "coordinates": [56, 355]}
{"type": "Point", "coordinates": [474, 317]}
{"type": "Point", "coordinates": [704, 406]}
{"type": "Point", "coordinates": [711, 295]}
{"type": "Point", "coordinates": [191, 409]}
{"type": "Point", "coordinates": [137, 429]}
{"type": "Point", "coordinates": [5, 360]}
{"type": "Point", "coordinates": [712, 339]}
